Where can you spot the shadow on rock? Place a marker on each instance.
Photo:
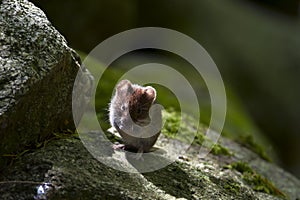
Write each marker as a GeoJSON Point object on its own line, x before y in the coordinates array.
{"type": "Point", "coordinates": [174, 181]}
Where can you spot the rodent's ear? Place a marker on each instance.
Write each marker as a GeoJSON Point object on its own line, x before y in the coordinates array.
{"type": "Point", "coordinates": [124, 86]}
{"type": "Point", "coordinates": [151, 92]}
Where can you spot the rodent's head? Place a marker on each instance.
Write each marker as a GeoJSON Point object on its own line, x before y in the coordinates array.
{"type": "Point", "coordinates": [139, 100]}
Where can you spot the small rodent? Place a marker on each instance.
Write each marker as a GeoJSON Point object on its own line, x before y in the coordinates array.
{"type": "Point", "coordinates": [129, 115]}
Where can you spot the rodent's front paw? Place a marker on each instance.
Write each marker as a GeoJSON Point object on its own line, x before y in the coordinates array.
{"type": "Point", "coordinates": [118, 147]}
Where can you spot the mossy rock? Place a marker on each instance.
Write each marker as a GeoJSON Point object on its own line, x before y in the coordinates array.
{"type": "Point", "coordinates": [64, 169]}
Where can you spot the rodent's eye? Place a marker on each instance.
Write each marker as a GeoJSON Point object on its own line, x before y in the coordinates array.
{"type": "Point", "coordinates": [139, 111]}
{"type": "Point", "coordinates": [123, 107]}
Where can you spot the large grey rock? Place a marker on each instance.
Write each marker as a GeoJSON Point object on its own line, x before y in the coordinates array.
{"type": "Point", "coordinates": [37, 72]}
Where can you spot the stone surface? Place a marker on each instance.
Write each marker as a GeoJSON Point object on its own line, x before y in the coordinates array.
{"type": "Point", "coordinates": [37, 72]}
{"type": "Point", "coordinates": [64, 169]}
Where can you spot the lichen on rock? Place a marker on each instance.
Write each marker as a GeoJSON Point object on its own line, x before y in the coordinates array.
{"type": "Point", "coordinates": [37, 72]}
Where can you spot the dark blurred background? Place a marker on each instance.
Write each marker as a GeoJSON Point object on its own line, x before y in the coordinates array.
{"type": "Point", "coordinates": [255, 44]}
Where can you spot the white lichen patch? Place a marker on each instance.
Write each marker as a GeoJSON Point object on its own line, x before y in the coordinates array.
{"type": "Point", "coordinates": [29, 47]}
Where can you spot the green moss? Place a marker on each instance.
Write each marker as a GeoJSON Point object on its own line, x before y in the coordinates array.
{"type": "Point", "coordinates": [232, 187]}
{"type": "Point", "coordinates": [249, 142]}
{"type": "Point", "coordinates": [179, 126]}
{"type": "Point", "coordinates": [255, 180]}
{"type": "Point", "coordinates": [172, 121]}
{"type": "Point", "coordinates": [220, 150]}
{"type": "Point", "coordinates": [261, 184]}
{"type": "Point", "coordinates": [184, 128]}
{"type": "Point", "coordinates": [241, 167]}
{"type": "Point", "coordinates": [200, 138]}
